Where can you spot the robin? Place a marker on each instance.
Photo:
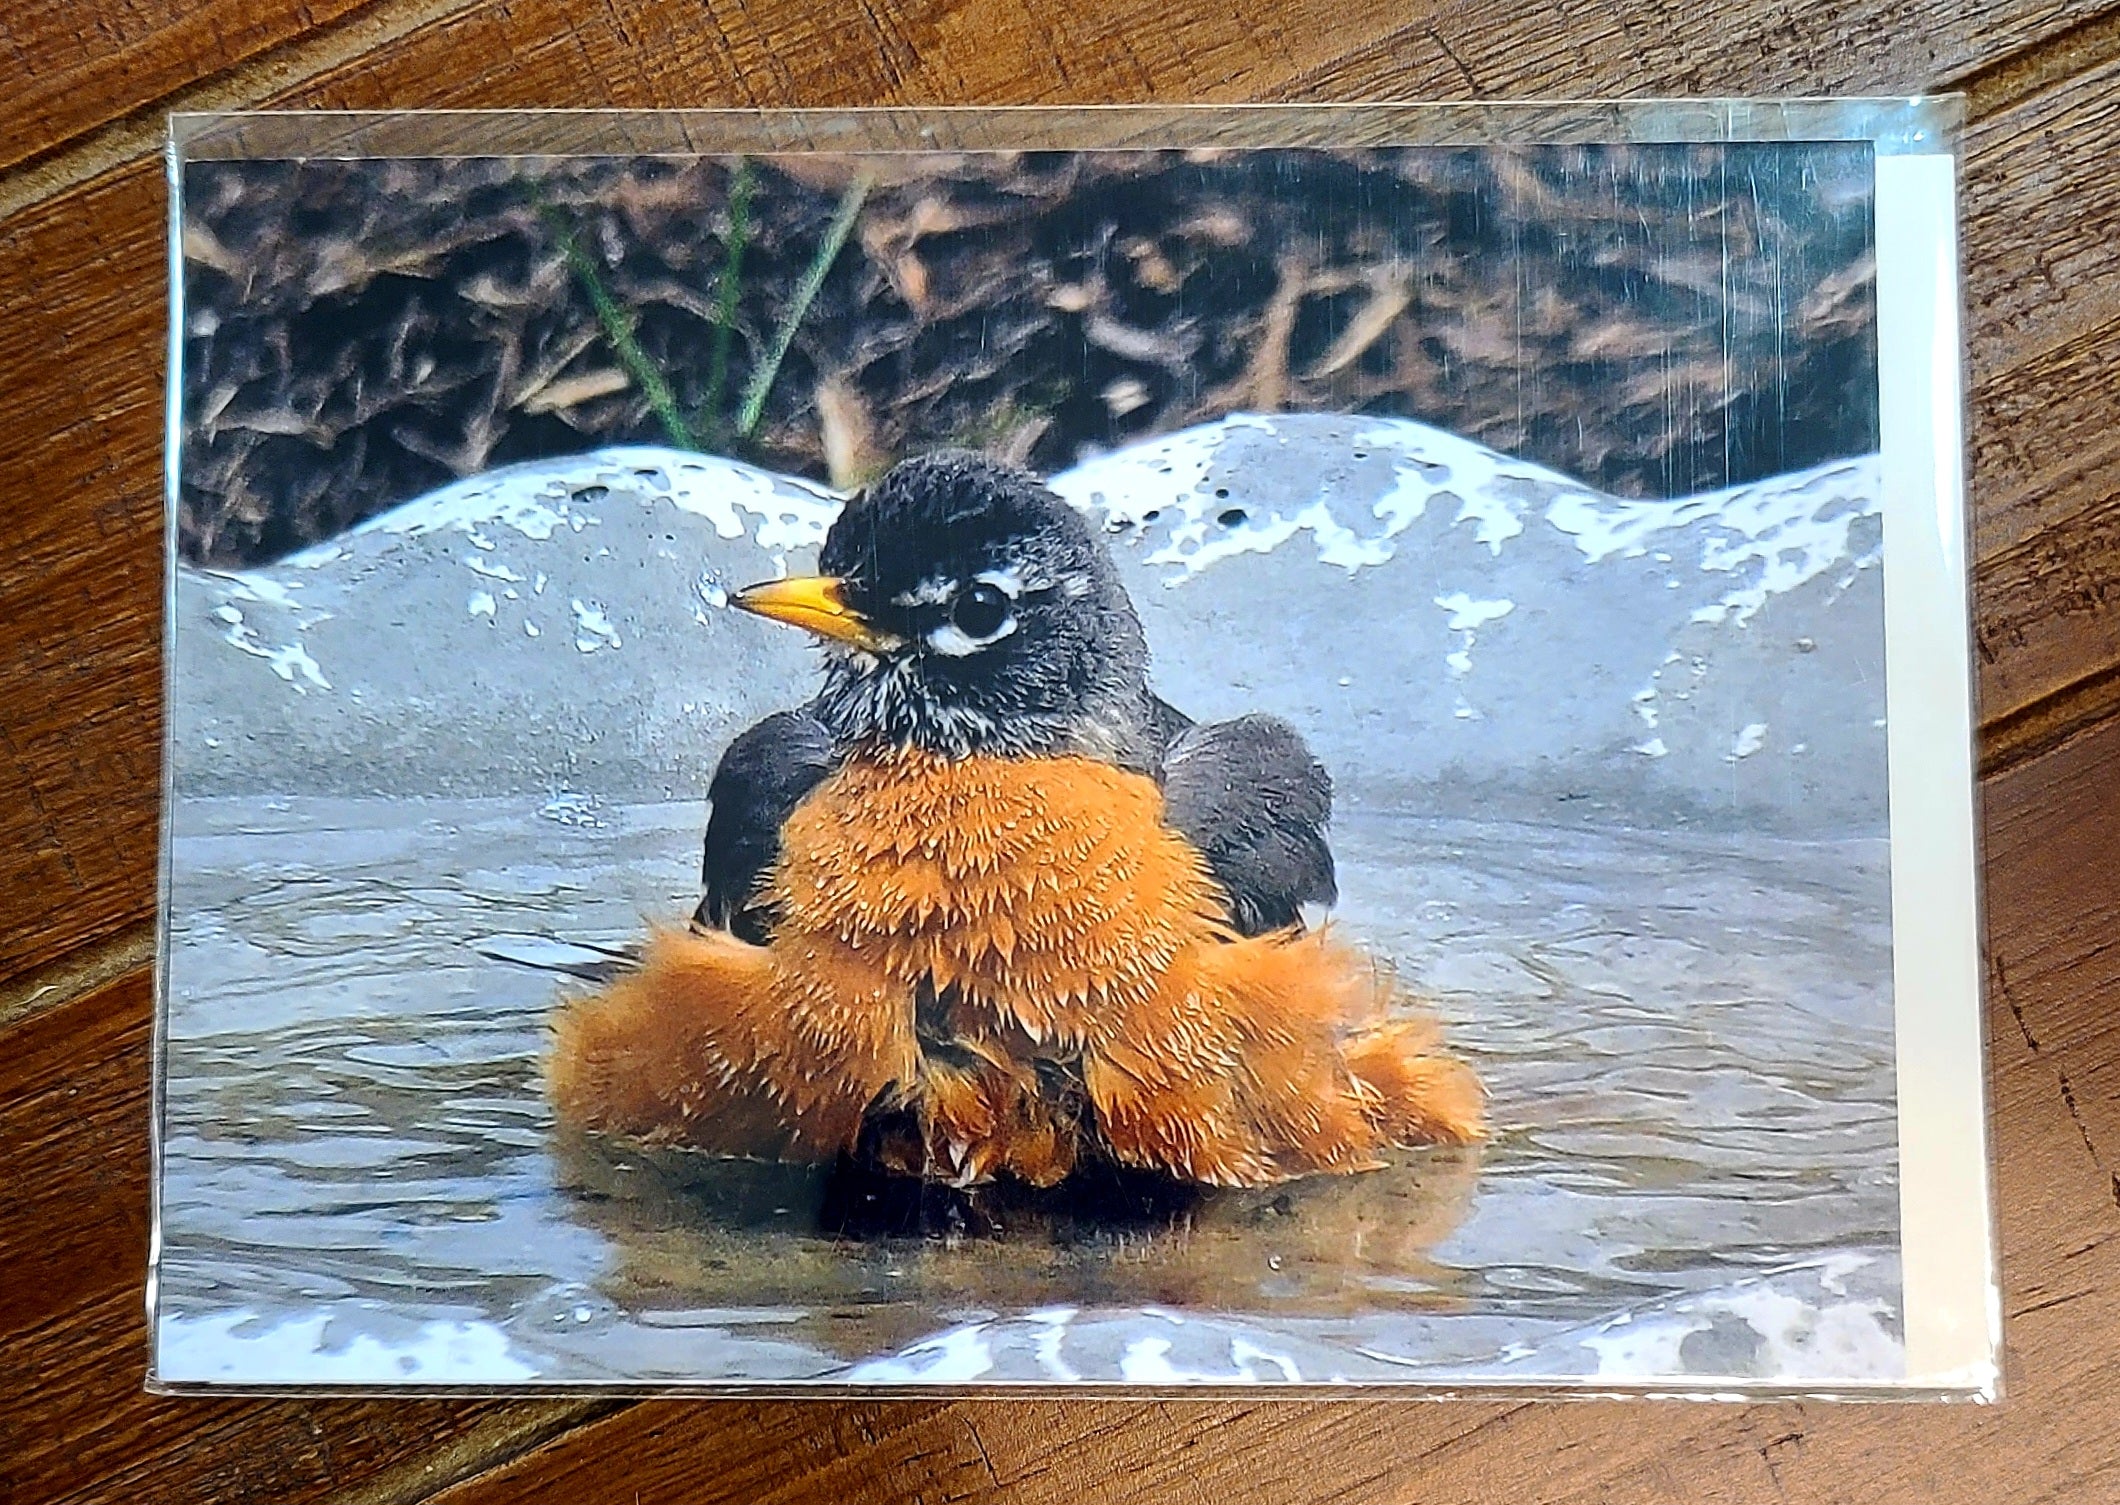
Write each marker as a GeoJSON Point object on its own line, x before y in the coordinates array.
{"type": "Point", "coordinates": [988, 907]}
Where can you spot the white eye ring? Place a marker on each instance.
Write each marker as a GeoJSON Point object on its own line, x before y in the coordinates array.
{"type": "Point", "coordinates": [950, 639]}
{"type": "Point", "coordinates": [1009, 582]}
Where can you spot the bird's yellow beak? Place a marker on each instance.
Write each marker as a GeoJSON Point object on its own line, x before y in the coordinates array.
{"type": "Point", "coordinates": [815, 603]}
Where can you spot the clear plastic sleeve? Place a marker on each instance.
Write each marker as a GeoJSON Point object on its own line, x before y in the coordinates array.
{"type": "Point", "coordinates": [1577, 485]}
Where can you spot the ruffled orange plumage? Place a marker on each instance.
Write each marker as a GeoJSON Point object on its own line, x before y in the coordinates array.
{"type": "Point", "coordinates": [1021, 960]}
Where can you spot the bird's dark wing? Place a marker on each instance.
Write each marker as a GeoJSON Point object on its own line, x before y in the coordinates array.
{"type": "Point", "coordinates": [763, 776]}
{"type": "Point", "coordinates": [1250, 796]}
{"type": "Point", "coordinates": [1166, 723]}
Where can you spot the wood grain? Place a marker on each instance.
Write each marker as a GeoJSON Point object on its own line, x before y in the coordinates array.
{"type": "Point", "coordinates": [1871, 47]}
{"type": "Point", "coordinates": [2042, 241]}
{"type": "Point", "coordinates": [80, 589]}
{"type": "Point", "coordinates": [2053, 829]}
{"type": "Point", "coordinates": [81, 262]}
{"type": "Point", "coordinates": [74, 67]}
{"type": "Point", "coordinates": [79, 722]}
{"type": "Point", "coordinates": [73, 1238]}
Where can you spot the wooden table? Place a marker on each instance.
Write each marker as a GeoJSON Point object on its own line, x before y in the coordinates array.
{"type": "Point", "coordinates": [81, 346]}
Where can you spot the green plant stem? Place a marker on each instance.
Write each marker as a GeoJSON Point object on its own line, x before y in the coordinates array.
{"type": "Point", "coordinates": [760, 385]}
{"type": "Point", "coordinates": [728, 293]}
{"type": "Point", "coordinates": [618, 325]}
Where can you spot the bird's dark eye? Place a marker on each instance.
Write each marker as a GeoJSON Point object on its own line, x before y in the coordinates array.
{"type": "Point", "coordinates": [981, 611]}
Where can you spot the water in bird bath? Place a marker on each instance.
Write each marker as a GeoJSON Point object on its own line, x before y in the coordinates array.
{"type": "Point", "coordinates": [1687, 1037]}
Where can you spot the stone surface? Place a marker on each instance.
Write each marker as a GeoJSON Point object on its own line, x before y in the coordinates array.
{"type": "Point", "coordinates": [1435, 617]}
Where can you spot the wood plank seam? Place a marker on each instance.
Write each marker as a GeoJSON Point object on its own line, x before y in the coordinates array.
{"type": "Point", "coordinates": [2007, 742]}
{"type": "Point", "coordinates": [520, 1431]}
{"type": "Point", "coordinates": [2055, 718]}
{"type": "Point", "coordinates": [81, 970]}
{"type": "Point", "coordinates": [895, 1417]}
{"type": "Point", "coordinates": [2007, 79]}
{"type": "Point", "coordinates": [140, 132]}
{"type": "Point", "coordinates": [2016, 77]}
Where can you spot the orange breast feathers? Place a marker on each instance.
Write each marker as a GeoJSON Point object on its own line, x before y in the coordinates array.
{"type": "Point", "coordinates": [1019, 958]}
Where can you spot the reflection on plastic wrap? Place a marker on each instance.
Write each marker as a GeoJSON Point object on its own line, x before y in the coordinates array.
{"type": "Point", "coordinates": [1560, 474]}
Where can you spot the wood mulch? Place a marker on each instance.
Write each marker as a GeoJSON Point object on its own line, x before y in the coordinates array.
{"type": "Point", "coordinates": [1657, 320]}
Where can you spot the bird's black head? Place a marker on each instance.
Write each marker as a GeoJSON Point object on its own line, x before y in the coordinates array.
{"type": "Point", "coordinates": [967, 609]}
